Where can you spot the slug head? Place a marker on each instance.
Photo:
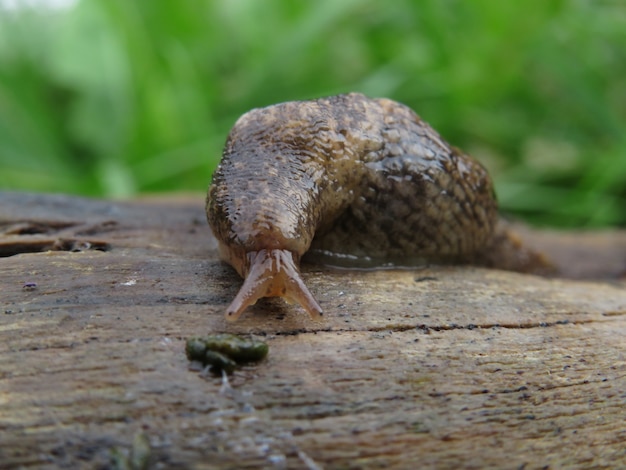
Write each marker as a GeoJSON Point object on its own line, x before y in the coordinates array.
{"type": "Point", "coordinates": [270, 273]}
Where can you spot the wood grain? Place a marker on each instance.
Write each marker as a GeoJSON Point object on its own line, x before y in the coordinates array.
{"type": "Point", "coordinates": [440, 367]}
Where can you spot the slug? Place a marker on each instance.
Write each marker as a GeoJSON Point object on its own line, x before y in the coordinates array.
{"type": "Point", "coordinates": [353, 181]}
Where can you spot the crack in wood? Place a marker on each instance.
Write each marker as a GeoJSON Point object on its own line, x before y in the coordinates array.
{"type": "Point", "coordinates": [614, 313]}
{"type": "Point", "coordinates": [29, 227]}
{"type": "Point", "coordinates": [27, 236]}
{"type": "Point", "coordinates": [395, 328]}
{"type": "Point", "coordinates": [35, 244]}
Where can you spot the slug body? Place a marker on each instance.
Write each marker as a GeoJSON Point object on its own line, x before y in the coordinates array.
{"type": "Point", "coordinates": [349, 179]}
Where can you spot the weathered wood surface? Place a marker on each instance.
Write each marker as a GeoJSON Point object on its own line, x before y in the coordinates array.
{"type": "Point", "coordinates": [442, 367]}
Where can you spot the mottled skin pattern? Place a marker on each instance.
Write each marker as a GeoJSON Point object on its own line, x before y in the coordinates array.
{"type": "Point", "coordinates": [358, 181]}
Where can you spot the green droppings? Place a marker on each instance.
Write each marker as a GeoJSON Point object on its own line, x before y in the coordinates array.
{"type": "Point", "coordinates": [225, 351]}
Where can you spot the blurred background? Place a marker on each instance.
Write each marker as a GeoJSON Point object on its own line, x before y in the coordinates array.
{"type": "Point", "coordinates": [114, 98]}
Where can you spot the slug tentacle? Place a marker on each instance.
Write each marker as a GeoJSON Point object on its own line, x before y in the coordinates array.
{"type": "Point", "coordinates": [272, 273]}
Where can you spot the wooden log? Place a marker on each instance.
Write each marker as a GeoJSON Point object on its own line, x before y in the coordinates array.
{"type": "Point", "coordinates": [439, 367]}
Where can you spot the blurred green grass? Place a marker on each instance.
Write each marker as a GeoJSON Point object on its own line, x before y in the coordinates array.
{"type": "Point", "coordinates": [118, 97]}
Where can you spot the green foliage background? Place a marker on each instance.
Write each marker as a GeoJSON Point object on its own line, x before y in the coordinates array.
{"type": "Point", "coordinates": [118, 97]}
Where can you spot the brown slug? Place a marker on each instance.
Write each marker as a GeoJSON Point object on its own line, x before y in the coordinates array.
{"type": "Point", "coordinates": [352, 180]}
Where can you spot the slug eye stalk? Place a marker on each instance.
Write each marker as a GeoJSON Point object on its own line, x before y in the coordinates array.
{"type": "Point", "coordinates": [272, 273]}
